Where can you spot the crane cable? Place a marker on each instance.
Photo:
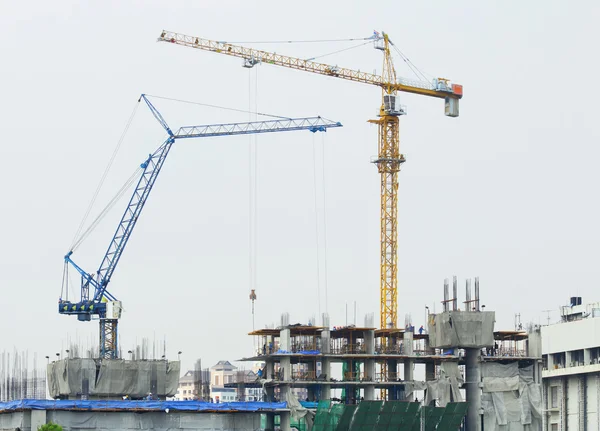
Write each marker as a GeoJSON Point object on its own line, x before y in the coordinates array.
{"type": "Point", "coordinates": [321, 262]}
{"type": "Point", "coordinates": [314, 154]}
{"type": "Point", "coordinates": [300, 41]}
{"type": "Point", "coordinates": [418, 73]}
{"type": "Point", "coordinates": [338, 51]}
{"type": "Point", "coordinates": [249, 111]}
{"type": "Point", "coordinates": [76, 238]}
{"type": "Point", "coordinates": [324, 219]}
{"type": "Point", "coordinates": [108, 207]}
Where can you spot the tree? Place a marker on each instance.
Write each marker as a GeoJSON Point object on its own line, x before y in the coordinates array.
{"type": "Point", "coordinates": [50, 426]}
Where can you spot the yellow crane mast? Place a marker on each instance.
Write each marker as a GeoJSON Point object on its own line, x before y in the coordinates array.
{"type": "Point", "coordinates": [389, 157]}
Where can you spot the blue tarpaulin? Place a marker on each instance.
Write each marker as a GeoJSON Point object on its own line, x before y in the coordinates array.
{"type": "Point", "coordinates": [301, 352]}
{"type": "Point", "coordinates": [138, 405]}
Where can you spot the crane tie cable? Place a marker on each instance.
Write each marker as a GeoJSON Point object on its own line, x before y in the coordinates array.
{"type": "Point", "coordinates": [219, 107]}
{"type": "Point", "coordinates": [338, 51]}
{"type": "Point", "coordinates": [106, 170]}
{"type": "Point", "coordinates": [301, 41]}
{"type": "Point", "coordinates": [411, 65]}
{"type": "Point", "coordinates": [107, 208]}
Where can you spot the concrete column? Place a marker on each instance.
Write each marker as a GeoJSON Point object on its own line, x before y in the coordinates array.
{"type": "Point", "coordinates": [408, 343]}
{"type": "Point", "coordinates": [325, 341]}
{"type": "Point", "coordinates": [326, 374]}
{"type": "Point", "coordinates": [370, 370]}
{"type": "Point", "coordinates": [285, 421]}
{"type": "Point", "coordinates": [38, 418]}
{"type": "Point", "coordinates": [284, 340]}
{"type": "Point", "coordinates": [409, 364]}
{"type": "Point", "coordinates": [269, 369]}
{"type": "Point", "coordinates": [587, 357]}
{"type": "Point", "coordinates": [326, 392]}
{"type": "Point", "coordinates": [370, 342]}
{"type": "Point", "coordinates": [409, 376]}
{"type": "Point", "coordinates": [285, 365]}
{"type": "Point", "coordinates": [369, 392]}
{"type": "Point", "coordinates": [270, 422]}
{"type": "Point", "coordinates": [473, 391]}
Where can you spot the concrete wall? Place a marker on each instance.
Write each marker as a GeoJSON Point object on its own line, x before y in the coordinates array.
{"type": "Point", "coordinates": [466, 329]}
{"type": "Point", "coordinates": [121, 421]}
{"type": "Point", "coordinates": [12, 421]}
{"type": "Point", "coordinates": [576, 335]}
{"type": "Point", "coordinates": [579, 404]}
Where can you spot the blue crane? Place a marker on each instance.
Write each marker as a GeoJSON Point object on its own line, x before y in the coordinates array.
{"type": "Point", "coordinates": [95, 299]}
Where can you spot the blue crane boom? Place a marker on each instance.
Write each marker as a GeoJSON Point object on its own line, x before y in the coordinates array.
{"type": "Point", "coordinates": [104, 304]}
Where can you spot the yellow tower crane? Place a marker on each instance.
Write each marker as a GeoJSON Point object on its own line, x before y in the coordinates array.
{"type": "Point", "coordinates": [389, 157]}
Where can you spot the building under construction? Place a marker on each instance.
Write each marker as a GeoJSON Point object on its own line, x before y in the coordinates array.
{"type": "Point", "coordinates": [461, 358]}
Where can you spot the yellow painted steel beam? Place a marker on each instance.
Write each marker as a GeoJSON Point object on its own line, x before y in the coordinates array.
{"type": "Point", "coordinates": [255, 56]}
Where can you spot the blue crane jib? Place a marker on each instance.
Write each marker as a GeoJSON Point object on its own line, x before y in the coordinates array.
{"type": "Point", "coordinates": [95, 299]}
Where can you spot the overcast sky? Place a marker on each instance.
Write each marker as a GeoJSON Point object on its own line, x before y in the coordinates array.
{"type": "Point", "coordinates": [506, 192]}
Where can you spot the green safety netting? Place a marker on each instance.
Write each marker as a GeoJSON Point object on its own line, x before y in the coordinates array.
{"type": "Point", "coordinates": [385, 416]}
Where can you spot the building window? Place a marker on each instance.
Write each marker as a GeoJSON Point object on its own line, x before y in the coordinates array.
{"type": "Point", "coordinates": [216, 380]}
{"type": "Point", "coordinates": [553, 427]}
{"type": "Point", "coordinates": [554, 400]}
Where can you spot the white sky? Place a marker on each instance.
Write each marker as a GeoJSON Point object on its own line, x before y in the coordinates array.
{"type": "Point", "coordinates": [506, 192]}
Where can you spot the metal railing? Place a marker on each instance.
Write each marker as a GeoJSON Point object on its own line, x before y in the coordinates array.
{"type": "Point", "coordinates": [348, 349]}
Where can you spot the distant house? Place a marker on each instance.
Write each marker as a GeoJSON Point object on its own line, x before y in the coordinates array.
{"type": "Point", "coordinates": [222, 373]}
{"type": "Point", "coordinates": [194, 385]}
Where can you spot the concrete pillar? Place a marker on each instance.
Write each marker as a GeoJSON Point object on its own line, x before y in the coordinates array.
{"type": "Point", "coordinates": [270, 369]}
{"type": "Point", "coordinates": [473, 391]}
{"type": "Point", "coordinates": [409, 376]}
{"type": "Point", "coordinates": [284, 340]}
{"type": "Point", "coordinates": [369, 392]}
{"type": "Point", "coordinates": [325, 341]}
{"type": "Point", "coordinates": [38, 418]}
{"type": "Point", "coordinates": [587, 357]}
{"type": "Point", "coordinates": [569, 359]}
{"type": "Point", "coordinates": [285, 366]}
{"type": "Point", "coordinates": [370, 342]}
{"type": "Point", "coordinates": [409, 364]}
{"type": "Point", "coordinates": [285, 421]}
{"type": "Point", "coordinates": [270, 422]}
{"type": "Point", "coordinates": [408, 343]}
{"type": "Point", "coordinates": [370, 370]}
{"type": "Point", "coordinates": [326, 375]}
{"type": "Point", "coordinates": [326, 392]}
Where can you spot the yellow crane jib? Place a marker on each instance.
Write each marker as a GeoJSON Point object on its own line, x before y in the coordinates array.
{"type": "Point", "coordinates": [440, 88]}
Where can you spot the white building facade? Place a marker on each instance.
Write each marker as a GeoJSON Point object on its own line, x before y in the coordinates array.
{"type": "Point", "coordinates": [571, 374]}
